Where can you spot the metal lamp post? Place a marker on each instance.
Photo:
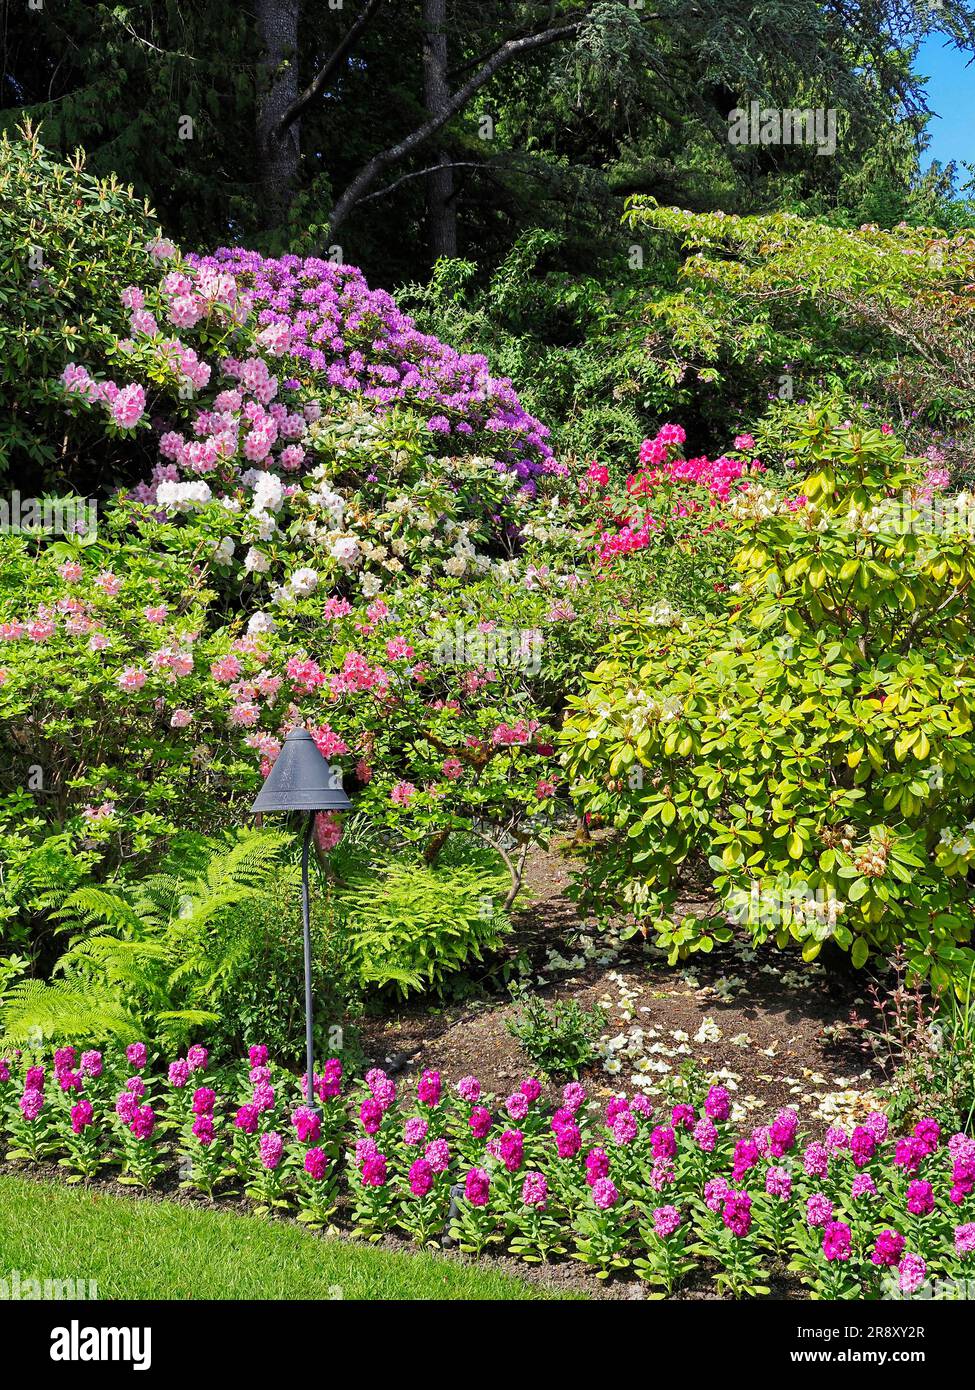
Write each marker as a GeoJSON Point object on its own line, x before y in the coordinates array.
{"type": "Point", "coordinates": [301, 780]}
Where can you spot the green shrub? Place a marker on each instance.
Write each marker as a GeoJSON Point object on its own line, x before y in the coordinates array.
{"type": "Point", "coordinates": [68, 243]}
{"type": "Point", "coordinates": [560, 1040]}
{"type": "Point", "coordinates": [412, 927]}
{"type": "Point", "coordinates": [198, 944]}
{"type": "Point", "coordinates": [811, 749]}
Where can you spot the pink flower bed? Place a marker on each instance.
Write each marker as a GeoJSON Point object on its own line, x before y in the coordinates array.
{"type": "Point", "coordinates": [623, 1187]}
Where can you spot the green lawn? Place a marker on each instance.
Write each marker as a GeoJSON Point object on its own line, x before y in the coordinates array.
{"type": "Point", "coordinates": [141, 1249]}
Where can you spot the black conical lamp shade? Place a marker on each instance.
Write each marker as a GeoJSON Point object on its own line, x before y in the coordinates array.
{"type": "Point", "coordinates": [301, 780]}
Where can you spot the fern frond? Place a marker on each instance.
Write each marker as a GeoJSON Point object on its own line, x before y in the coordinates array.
{"type": "Point", "coordinates": [34, 1012]}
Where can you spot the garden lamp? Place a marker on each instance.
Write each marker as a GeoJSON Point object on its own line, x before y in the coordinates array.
{"type": "Point", "coordinates": [301, 780]}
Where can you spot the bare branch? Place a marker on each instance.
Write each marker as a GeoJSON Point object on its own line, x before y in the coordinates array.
{"type": "Point", "coordinates": [419, 174]}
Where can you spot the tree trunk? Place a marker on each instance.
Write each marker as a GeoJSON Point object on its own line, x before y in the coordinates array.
{"type": "Point", "coordinates": [441, 210]}
{"type": "Point", "coordinates": [277, 22]}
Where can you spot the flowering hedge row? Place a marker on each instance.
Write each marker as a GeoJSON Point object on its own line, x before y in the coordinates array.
{"type": "Point", "coordinates": [620, 1188]}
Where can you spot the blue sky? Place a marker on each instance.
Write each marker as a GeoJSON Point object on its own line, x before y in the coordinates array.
{"type": "Point", "coordinates": [951, 94]}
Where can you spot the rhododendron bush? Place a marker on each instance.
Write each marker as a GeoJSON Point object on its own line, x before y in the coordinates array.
{"type": "Point", "coordinates": [811, 745]}
{"type": "Point", "coordinates": [146, 709]}
{"type": "Point", "coordinates": [296, 409]}
{"type": "Point", "coordinates": [669, 1191]}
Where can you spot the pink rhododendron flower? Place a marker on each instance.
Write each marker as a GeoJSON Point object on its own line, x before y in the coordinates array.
{"type": "Point", "coordinates": [129, 406]}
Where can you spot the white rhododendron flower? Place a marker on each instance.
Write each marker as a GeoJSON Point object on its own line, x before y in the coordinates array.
{"type": "Point", "coordinates": [303, 582]}
{"type": "Point", "coordinates": [182, 497]}
{"type": "Point", "coordinates": [346, 550]}
{"type": "Point", "coordinates": [256, 562]}
{"type": "Point", "coordinates": [260, 622]}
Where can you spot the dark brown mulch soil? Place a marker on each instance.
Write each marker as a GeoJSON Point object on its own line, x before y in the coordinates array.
{"type": "Point", "coordinates": [811, 1019]}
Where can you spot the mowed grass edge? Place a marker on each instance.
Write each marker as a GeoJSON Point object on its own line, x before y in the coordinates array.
{"type": "Point", "coordinates": [135, 1249]}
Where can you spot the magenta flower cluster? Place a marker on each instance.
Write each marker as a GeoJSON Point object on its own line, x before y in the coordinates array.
{"type": "Point", "coordinates": [623, 1185]}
